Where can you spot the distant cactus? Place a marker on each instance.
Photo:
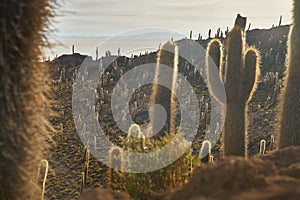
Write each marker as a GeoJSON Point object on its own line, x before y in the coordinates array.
{"type": "Point", "coordinates": [205, 151]}
{"type": "Point", "coordinates": [167, 55]}
{"type": "Point", "coordinates": [272, 142]}
{"type": "Point", "coordinates": [240, 78]}
{"type": "Point", "coordinates": [262, 147]}
{"type": "Point", "coordinates": [116, 168]}
{"type": "Point", "coordinates": [86, 163]}
{"type": "Point", "coordinates": [289, 116]}
{"type": "Point", "coordinates": [24, 125]}
{"type": "Point", "coordinates": [280, 20]}
{"type": "Point", "coordinates": [82, 182]}
{"type": "Point", "coordinates": [134, 131]}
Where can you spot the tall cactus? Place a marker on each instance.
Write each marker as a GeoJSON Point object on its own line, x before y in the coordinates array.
{"type": "Point", "coordinates": [239, 78]}
{"type": "Point", "coordinates": [289, 116]}
{"type": "Point", "coordinates": [167, 55]}
{"type": "Point", "coordinates": [23, 93]}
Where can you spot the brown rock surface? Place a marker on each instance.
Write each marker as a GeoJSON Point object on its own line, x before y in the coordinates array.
{"type": "Point", "coordinates": [270, 177]}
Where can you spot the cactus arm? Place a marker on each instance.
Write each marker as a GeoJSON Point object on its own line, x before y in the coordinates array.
{"type": "Point", "coordinates": [214, 57]}
{"type": "Point", "coordinates": [251, 70]}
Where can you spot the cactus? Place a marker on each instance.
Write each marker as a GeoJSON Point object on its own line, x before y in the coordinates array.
{"type": "Point", "coordinates": [289, 115]}
{"type": "Point", "coordinates": [116, 165]}
{"type": "Point", "coordinates": [167, 55]}
{"type": "Point", "coordinates": [24, 125]}
{"type": "Point", "coordinates": [134, 131]}
{"type": "Point", "coordinates": [95, 146]}
{"type": "Point", "coordinates": [262, 147]}
{"type": "Point", "coordinates": [86, 163]}
{"type": "Point", "coordinates": [142, 139]}
{"type": "Point", "coordinates": [45, 164]}
{"type": "Point", "coordinates": [240, 79]}
{"type": "Point", "coordinates": [205, 151]}
{"type": "Point", "coordinates": [272, 142]}
{"type": "Point", "coordinates": [82, 183]}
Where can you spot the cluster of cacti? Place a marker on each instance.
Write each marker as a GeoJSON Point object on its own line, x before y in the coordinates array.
{"type": "Point", "coordinates": [241, 73]}
{"type": "Point", "coordinates": [168, 56]}
{"type": "Point", "coordinates": [289, 116]}
{"type": "Point", "coordinates": [137, 184]}
{"type": "Point", "coordinates": [24, 124]}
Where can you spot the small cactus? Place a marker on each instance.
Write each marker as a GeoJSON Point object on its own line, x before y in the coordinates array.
{"type": "Point", "coordinates": [262, 147]}
{"type": "Point", "coordinates": [272, 142]}
{"type": "Point", "coordinates": [43, 167]}
{"type": "Point", "coordinates": [82, 183]}
{"type": "Point", "coordinates": [205, 151]}
{"type": "Point", "coordinates": [86, 163]}
{"type": "Point", "coordinates": [134, 131]}
{"type": "Point", "coordinates": [116, 166]}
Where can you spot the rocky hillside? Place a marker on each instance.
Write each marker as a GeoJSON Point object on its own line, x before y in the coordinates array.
{"type": "Point", "coordinates": [67, 153]}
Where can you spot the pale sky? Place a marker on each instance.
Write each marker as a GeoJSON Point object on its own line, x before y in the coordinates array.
{"type": "Point", "coordinates": [110, 17]}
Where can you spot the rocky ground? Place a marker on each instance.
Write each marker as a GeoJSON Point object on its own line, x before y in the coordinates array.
{"type": "Point", "coordinates": [275, 176]}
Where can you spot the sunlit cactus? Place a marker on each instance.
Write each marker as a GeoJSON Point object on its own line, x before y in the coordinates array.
{"type": "Point", "coordinates": [289, 116]}
{"type": "Point", "coordinates": [272, 142]}
{"type": "Point", "coordinates": [24, 125]}
{"type": "Point", "coordinates": [205, 151]}
{"type": "Point", "coordinates": [240, 80]}
{"type": "Point", "coordinates": [262, 147]}
{"type": "Point", "coordinates": [116, 168]}
{"type": "Point", "coordinates": [86, 163]}
{"type": "Point", "coordinates": [42, 176]}
{"type": "Point", "coordinates": [134, 131]}
{"type": "Point", "coordinates": [82, 182]}
{"type": "Point", "coordinates": [168, 56]}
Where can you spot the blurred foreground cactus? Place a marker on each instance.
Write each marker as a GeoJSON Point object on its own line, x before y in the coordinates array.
{"type": "Point", "coordinates": [24, 108]}
{"type": "Point", "coordinates": [239, 78]}
{"type": "Point", "coordinates": [289, 116]}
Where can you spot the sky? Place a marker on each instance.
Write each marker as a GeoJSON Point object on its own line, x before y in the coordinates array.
{"type": "Point", "coordinates": [110, 17]}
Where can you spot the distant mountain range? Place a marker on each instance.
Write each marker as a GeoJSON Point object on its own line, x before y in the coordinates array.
{"type": "Point", "coordinates": [150, 35]}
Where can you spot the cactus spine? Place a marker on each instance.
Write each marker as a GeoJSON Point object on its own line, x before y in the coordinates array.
{"type": "Point", "coordinates": [239, 77]}
{"type": "Point", "coordinates": [289, 116]}
{"type": "Point", "coordinates": [167, 55]}
{"type": "Point", "coordinates": [24, 124]}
